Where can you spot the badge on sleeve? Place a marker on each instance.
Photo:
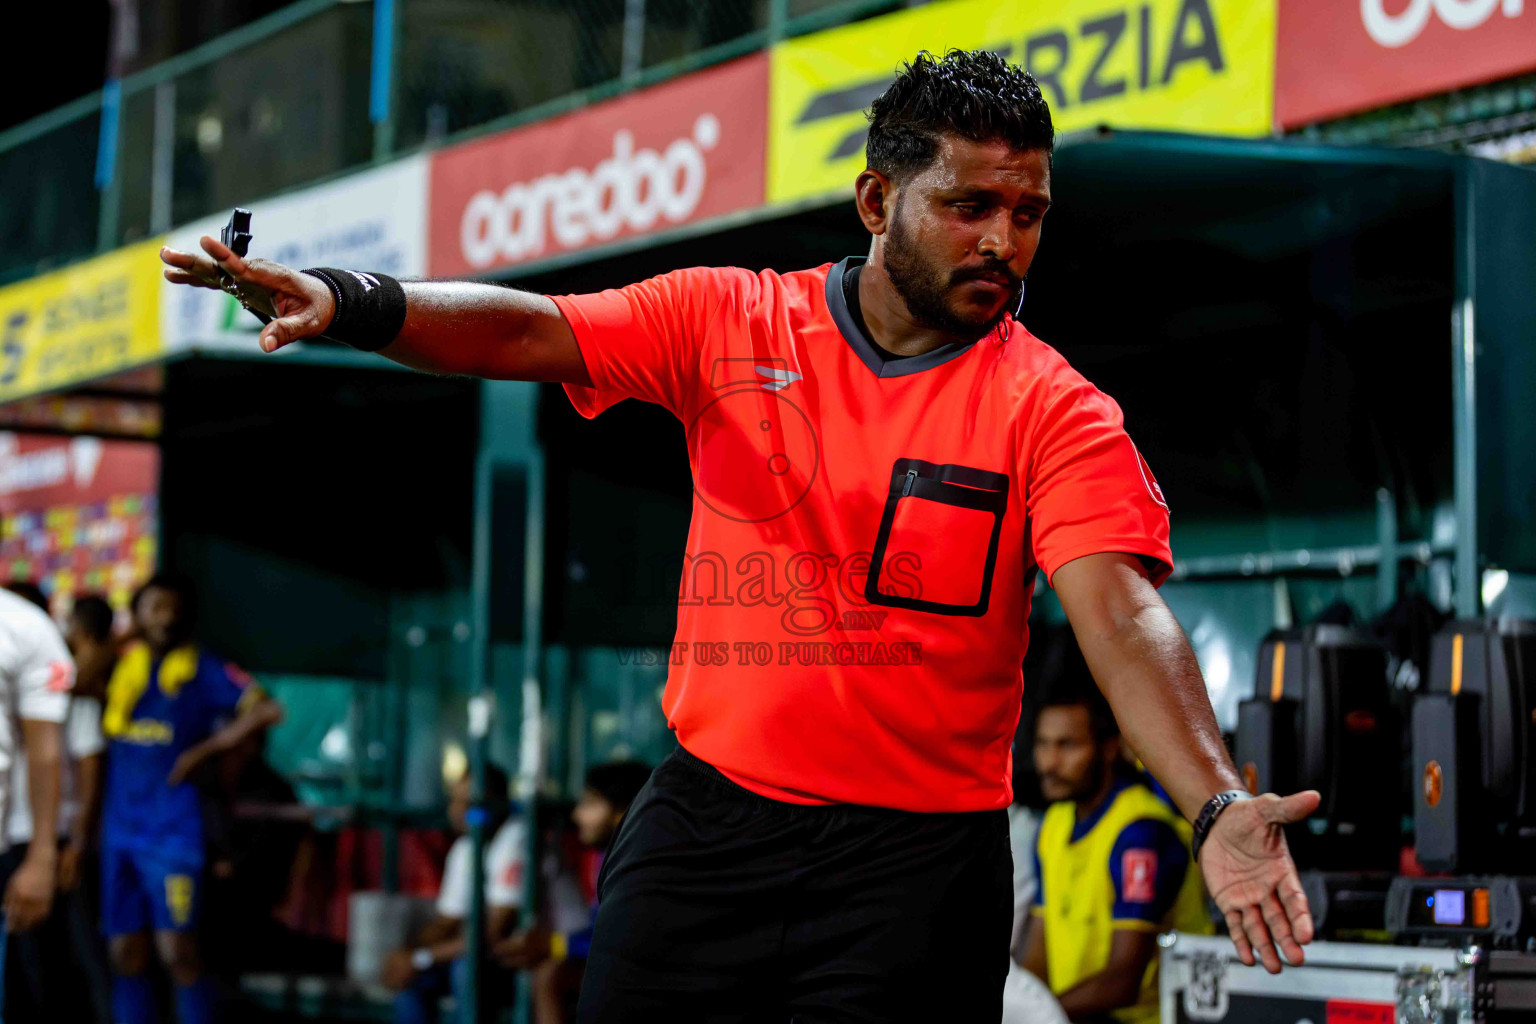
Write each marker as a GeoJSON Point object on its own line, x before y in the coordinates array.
{"type": "Point", "coordinates": [61, 676]}
{"type": "Point", "coordinates": [1138, 876]}
{"type": "Point", "coordinates": [1153, 487]}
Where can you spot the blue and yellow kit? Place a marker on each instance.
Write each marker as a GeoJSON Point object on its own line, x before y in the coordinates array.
{"type": "Point", "coordinates": [1127, 865]}
{"type": "Point", "coordinates": [152, 831]}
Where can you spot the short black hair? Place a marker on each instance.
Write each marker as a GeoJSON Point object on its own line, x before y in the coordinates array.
{"type": "Point", "coordinates": [618, 782]}
{"type": "Point", "coordinates": [94, 614]}
{"type": "Point", "coordinates": [1075, 692]}
{"type": "Point", "coordinates": [29, 591]}
{"type": "Point", "coordinates": [177, 583]}
{"type": "Point", "coordinates": [498, 784]}
{"type": "Point", "coordinates": [974, 94]}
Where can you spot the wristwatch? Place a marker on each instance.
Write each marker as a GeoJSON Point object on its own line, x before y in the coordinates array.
{"type": "Point", "coordinates": [422, 959]}
{"type": "Point", "coordinates": [1210, 812]}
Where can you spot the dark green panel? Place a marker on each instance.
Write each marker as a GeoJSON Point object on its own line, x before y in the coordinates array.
{"type": "Point", "coordinates": [509, 524]}
{"type": "Point", "coordinates": [1503, 228]}
{"type": "Point", "coordinates": [302, 498]}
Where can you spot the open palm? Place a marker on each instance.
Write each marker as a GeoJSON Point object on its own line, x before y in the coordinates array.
{"type": "Point", "coordinates": [1251, 876]}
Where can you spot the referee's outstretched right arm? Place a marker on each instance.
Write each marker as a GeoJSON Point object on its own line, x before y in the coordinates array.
{"type": "Point", "coordinates": [457, 327]}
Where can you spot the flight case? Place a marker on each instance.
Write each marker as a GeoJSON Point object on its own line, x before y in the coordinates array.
{"type": "Point", "coordinates": [1203, 982]}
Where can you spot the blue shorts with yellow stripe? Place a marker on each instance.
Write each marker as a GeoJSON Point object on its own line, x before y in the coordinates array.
{"type": "Point", "coordinates": [144, 889]}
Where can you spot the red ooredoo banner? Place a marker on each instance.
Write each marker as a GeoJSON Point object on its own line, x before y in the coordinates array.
{"type": "Point", "coordinates": [656, 159]}
{"type": "Point", "coordinates": [1336, 57]}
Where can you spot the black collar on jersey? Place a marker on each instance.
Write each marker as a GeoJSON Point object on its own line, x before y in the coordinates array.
{"type": "Point", "coordinates": [864, 348]}
{"type": "Point", "coordinates": [851, 297]}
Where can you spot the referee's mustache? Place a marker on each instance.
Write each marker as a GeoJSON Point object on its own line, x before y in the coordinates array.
{"type": "Point", "coordinates": [992, 270]}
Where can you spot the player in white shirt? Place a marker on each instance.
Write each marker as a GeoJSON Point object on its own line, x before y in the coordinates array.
{"type": "Point", "coordinates": [424, 973]}
{"type": "Point", "coordinates": [83, 741]}
{"type": "Point", "coordinates": [61, 968]}
{"type": "Point", "coordinates": [36, 674]}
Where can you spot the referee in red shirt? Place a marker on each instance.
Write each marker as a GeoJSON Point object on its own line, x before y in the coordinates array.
{"type": "Point", "coordinates": [883, 461]}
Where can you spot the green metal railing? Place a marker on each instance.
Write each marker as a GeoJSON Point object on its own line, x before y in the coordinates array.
{"type": "Point", "coordinates": [1452, 120]}
{"type": "Point", "coordinates": [322, 87]}
{"type": "Point", "coordinates": [47, 168]}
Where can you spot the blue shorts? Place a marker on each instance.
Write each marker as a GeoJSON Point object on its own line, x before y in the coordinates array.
{"type": "Point", "coordinates": [147, 889]}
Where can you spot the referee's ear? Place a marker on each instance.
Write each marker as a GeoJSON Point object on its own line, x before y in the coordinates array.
{"type": "Point", "coordinates": [875, 197]}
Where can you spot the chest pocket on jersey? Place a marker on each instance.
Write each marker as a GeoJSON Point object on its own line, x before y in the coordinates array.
{"type": "Point", "coordinates": [937, 545]}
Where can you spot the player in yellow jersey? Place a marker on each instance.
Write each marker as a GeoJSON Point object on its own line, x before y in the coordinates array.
{"type": "Point", "coordinates": [1114, 867]}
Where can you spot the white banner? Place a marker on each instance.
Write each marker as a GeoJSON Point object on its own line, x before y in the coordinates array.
{"type": "Point", "coordinates": [376, 220]}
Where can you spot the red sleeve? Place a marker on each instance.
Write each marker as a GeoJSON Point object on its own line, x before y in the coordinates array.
{"type": "Point", "coordinates": [643, 341]}
{"type": "Point", "coordinates": [1089, 489]}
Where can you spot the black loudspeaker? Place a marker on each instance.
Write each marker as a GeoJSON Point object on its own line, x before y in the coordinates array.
{"type": "Point", "coordinates": [1493, 661]}
{"type": "Point", "coordinates": [1331, 728]}
{"type": "Point", "coordinates": [1266, 744]}
{"type": "Point", "coordinates": [1450, 823]}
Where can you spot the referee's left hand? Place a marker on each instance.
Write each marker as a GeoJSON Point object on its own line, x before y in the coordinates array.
{"type": "Point", "coordinates": [1250, 874]}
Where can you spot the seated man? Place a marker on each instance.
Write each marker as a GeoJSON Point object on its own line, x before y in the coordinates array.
{"type": "Point", "coordinates": [1114, 867]}
{"type": "Point", "coordinates": [434, 965]}
{"type": "Point", "coordinates": [558, 960]}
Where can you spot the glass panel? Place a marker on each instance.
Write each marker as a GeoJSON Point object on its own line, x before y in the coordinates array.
{"type": "Point", "coordinates": [281, 112]}
{"type": "Point", "coordinates": [465, 62]}
{"type": "Point", "coordinates": [676, 28]}
{"type": "Point", "coordinates": [135, 161]}
{"type": "Point", "coordinates": [51, 203]}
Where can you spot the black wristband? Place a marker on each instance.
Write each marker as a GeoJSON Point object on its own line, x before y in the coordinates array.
{"type": "Point", "coordinates": [370, 308]}
{"type": "Point", "coordinates": [1208, 815]}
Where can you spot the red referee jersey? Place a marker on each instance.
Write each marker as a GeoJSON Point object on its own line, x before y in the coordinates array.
{"type": "Point", "coordinates": [854, 604]}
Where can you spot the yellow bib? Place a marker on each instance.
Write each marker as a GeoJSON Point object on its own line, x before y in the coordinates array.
{"type": "Point", "coordinates": [1077, 894]}
{"type": "Point", "coordinates": [131, 678]}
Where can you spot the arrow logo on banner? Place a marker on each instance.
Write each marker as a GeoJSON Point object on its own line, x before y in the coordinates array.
{"type": "Point", "coordinates": [840, 102]}
{"type": "Point", "coordinates": [854, 99]}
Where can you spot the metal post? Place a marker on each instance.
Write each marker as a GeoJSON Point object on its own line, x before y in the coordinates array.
{"type": "Point", "coordinates": [480, 713]}
{"type": "Point", "coordinates": [531, 766]}
{"type": "Point", "coordinates": [122, 48]}
{"type": "Point", "coordinates": [1386, 541]}
{"type": "Point", "coordinates": [381, 96]}
{"type": "Point", "coordinates": [778, 17]}
{"type": "Point", "coordinates": [162, 168]}
{"type": "Point", "coordinates": [531, 763]}
{"type": "Point", "coordinates": [1464, 399]}
{"type": "Point", "coordinates": [107, 178]}
{"type": "Point", "coordinates": [406, 656]}
{"type": "Point", "coordinates": [633, 42]}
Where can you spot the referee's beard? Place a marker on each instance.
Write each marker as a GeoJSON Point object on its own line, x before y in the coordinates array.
{"type": "Point", "coordinates": [926, 287]}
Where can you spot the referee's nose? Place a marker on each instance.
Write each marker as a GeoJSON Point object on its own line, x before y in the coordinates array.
{"type": "Point", "coordinates": [997, 241]}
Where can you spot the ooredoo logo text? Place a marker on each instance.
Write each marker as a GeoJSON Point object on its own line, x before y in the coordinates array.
{"type": "Point", "coordinates": [638, 188]}
{"type": "Point", "coordinates": [1403, 27]}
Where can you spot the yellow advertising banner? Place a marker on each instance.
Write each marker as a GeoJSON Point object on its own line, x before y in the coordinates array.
{"type": "Point", "coordinates": [1184, 65]}
{"type": "Point", "coordinates": [85, 321]}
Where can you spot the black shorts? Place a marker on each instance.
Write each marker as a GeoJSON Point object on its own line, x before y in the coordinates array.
{"type": "Point", "coordinates": [721, 905]}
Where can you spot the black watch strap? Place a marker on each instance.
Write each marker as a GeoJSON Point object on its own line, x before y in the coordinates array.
{"type": "Point", "coordinates": [1210, 812]}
